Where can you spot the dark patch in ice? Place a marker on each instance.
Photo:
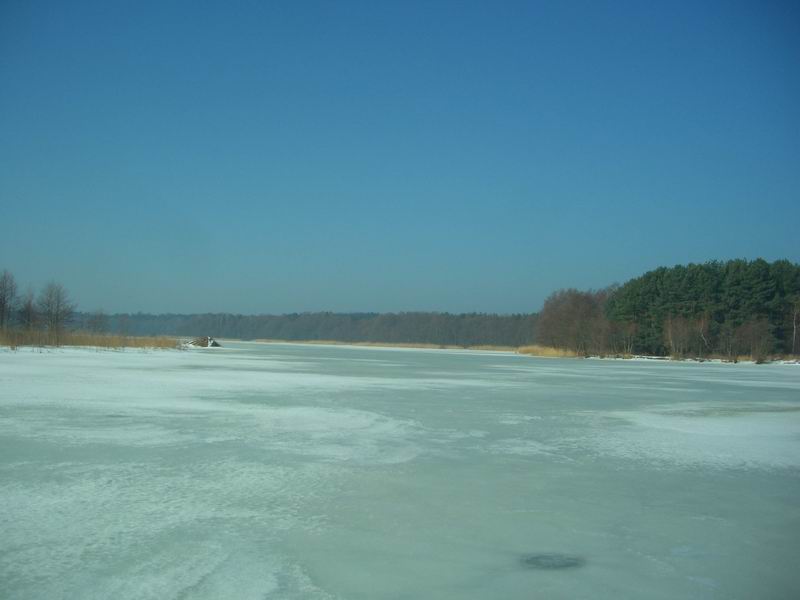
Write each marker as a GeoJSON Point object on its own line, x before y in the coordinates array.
{"type": "Point", "coordinates": [552, 561]}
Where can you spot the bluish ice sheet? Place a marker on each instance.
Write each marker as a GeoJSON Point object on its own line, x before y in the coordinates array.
{"type": "Point", "coordinates": [288, 471]}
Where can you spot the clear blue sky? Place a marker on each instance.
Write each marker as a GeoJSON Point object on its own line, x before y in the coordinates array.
{"type": "Point", "coordinates": [462, 156]}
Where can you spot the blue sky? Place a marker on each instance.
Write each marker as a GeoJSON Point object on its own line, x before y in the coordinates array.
{"type": "Point", "coordinates": [382, 156]}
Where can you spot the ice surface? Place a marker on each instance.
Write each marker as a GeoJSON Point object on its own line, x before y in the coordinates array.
{"type": "Point", "coordinates": [287, 471]}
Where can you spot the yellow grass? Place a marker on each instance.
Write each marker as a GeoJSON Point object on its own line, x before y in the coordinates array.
{"type": "Point", "coordinates": [76, 338]}
{"type": "Point", "coordinates": [491, 348]}
{"type": "Point", "coordinates": [119, 341]}
{"type": "Point", "coordinates": [546, 351]}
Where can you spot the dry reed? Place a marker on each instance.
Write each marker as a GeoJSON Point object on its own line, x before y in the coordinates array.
{"type": "Point", "coordinates": [547, 351]}
{"type": "Point", "coordinates": [16, 338]}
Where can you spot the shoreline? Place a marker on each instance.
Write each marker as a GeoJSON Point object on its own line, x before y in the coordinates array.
{"type": "Point", "coordinates": [399, 345]}
{"type": "Point", "coordinates": [520, 350]}
{"type": "Point", "coordinates": [532, 351]}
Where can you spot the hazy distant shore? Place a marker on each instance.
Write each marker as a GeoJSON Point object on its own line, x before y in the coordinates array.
{"type": "Point", "coordinates": [388, 345]}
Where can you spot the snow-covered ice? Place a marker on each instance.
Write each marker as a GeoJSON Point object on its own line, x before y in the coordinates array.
{"type": "Point", "coordinates": [288, 471]}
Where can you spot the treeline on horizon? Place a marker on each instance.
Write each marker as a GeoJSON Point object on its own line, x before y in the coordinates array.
{"type": "Point", "coordinates": [33, 318]}
{"type": "Point", "coordinates": [441, 329]}
{"type": "Point", "coordinates": [45, 318]}
{"type": "Point", "coordinates": [727, 309]}
{"type": "Point", "coordinates": [49, 318]}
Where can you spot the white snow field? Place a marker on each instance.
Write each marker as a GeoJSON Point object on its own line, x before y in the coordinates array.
{"type": "Point", "coordinates": [285, 471]}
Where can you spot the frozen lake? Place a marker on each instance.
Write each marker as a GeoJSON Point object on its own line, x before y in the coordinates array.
{"type": "Point", "coordinates": [288, 471]}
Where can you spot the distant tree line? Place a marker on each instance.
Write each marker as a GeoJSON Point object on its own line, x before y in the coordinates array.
{"type": "Point", "coordinates": [42, 317]}
{"type": "Point", "coordinates": [473, 329]}
{"type": "Point", "coordinates": [727, 309]}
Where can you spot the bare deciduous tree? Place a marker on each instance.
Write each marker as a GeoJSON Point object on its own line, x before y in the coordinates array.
{"type": "Point", "coordinates": [27, 311]}
{"type": "Point", "coordinates": [728, 341]}
{"type": "Point", "coordinates": [678, 335]}
{"type": "Point", "coordinates": [795, 320]}
{"type": "Point", "coordinates": [575, 320]}
{"type": "Point", "coordinates": [55, 309]}
{"type": "Point", "coordinates": [8, 298]}
{"type": "Point", "coordinates": [621, 337]}
{"type": "Point", "coordinates": [702, 326]}
{"type": "Point", "coordinates": [755, 336]}
{"type": "Point", "coordinates": [98, 322]}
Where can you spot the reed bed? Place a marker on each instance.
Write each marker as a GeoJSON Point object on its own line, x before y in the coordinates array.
{"type": "Point", "coordinates": [17, 338]}
{"type": "Point", "coordinates": [119, 341]}
{"type": "Point", "coordinates": [547, 351]}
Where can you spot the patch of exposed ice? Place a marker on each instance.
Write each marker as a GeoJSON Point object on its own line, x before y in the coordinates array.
{"type": "Point", "coordinates": [520, 447]}
{"type": "Point", "coordinates": [515, 419]}
{"type": "Point", "coordinates": [336, 434]}
{"type": "Point", "coordinates": [743, 436]}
